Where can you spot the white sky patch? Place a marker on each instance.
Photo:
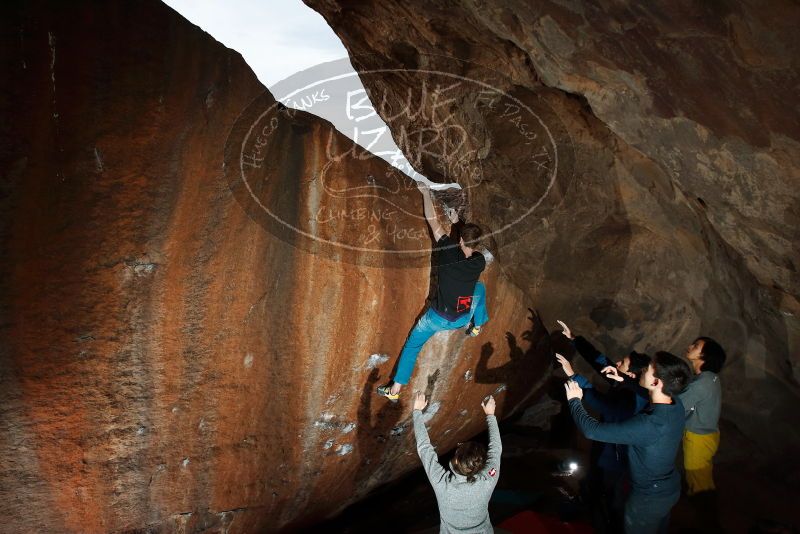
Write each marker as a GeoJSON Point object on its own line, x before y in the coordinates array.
{"type": "Point", "coordinates": [279, 38]}
{"type": "Point", "coordinates": [276, 37]}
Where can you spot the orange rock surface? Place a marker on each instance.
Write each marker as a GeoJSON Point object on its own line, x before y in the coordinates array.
{"type": "Point", "coordinates": [172, 358]}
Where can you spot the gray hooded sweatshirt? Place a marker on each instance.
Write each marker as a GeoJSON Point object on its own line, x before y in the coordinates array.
{"type": "Point", "coordinates": [463, 505]}
{"type": "Point", "coordinates": [702, 401]}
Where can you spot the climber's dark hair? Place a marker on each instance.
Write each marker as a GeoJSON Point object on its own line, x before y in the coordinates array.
{"type": "Point", "coordinates": [469, 459]}
{"type": "Point", "coordinates": [712, 354]}
{"type": "Point", "coordinates": [673, 372]}
{"type": "Point", "coordinates": [471, 234]}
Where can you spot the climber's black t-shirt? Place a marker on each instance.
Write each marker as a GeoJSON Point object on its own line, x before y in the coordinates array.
{"type": "Point", "coordinates": [457, 277]}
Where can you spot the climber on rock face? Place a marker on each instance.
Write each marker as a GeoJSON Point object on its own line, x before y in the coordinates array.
{"type": "Point", "coordinates": [460, 299]}
{"type": "Point", "coordinates": [463, 492]}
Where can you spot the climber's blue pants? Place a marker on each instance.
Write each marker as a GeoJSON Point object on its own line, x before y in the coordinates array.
{"type": "Point", "coordinates": [430, 323]}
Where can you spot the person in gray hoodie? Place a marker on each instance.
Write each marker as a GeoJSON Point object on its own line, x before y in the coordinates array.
{"type": "Point", "coordinates": [702, 402]}
{"type": "Point", "coordinates": [463, 491]}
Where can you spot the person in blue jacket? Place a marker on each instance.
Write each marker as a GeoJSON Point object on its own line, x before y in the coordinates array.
{"type": "Point", "coordinates": [623, 375]}
{"type": "Point", "coordinates": [653, 437]}
{"type": "Point", "coordinates": [606, 479]}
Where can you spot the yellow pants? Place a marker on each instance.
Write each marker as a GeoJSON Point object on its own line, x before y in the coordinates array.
{"type": "Point", "coordinates": [698, 453]}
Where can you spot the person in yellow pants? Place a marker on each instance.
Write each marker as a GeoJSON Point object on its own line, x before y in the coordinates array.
{"type": "Point", "coordinates": [698, 455]}
{"type": "Point", "coordinates": [702, 402]}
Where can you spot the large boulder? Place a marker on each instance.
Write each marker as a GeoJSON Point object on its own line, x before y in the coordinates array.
{"type": "Point", "coordinates": [192, 319]}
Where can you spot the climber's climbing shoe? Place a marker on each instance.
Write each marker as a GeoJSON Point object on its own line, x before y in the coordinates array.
{"type": "Point", "coordinates": [386, 391]}
{"type": "Point", "coordinates": [473, 330]}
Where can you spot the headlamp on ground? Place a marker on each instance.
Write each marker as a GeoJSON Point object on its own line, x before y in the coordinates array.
{"type": "Point", "coordinates": [568, 467]}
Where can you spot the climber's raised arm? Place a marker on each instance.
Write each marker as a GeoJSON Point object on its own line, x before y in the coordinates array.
{"type": "Point", "coordinates": [430, 212]}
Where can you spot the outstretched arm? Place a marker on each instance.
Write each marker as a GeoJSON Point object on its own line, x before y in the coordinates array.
{"type": "Point", "coordinates": [634, 431]}
{"type": "Point", "coordinates": [608, 406]}
{"type": "Point", "coordinates": [495, 445]}
{"type": "Point", "coordinates": [430, 211]}
{"type": "Point", "coordinates": [587, 351]}
{"type": "Point", "coordinates": [597, 401]}
{"type": "Point", "coordinates": [430, 461]}
{"type": "Point", "coordinates": [593, 357]}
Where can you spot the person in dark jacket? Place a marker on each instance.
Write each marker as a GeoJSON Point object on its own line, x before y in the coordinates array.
{"type": "Point", "coordinates": [625, 372]}
{"type": "Point", "coordinates": [606, 481]}
{"type": "Point", "coordinates": [653, 438]}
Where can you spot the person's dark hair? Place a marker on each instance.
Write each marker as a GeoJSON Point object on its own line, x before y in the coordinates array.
{"type": "Point", "coordinates": [469, 459]}
{"type": "Point", "coordinates": [673, 372]}
{"type": "Point", "coordinates": [713, 355]}
{"type": "Point", "coordinates": [471, 233]}
{"type": "Point", "coordinates": [638, 363]}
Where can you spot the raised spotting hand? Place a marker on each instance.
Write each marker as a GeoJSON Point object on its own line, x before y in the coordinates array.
{"type": "Point", "coordinates": [565, 365]}
{"type": "Point", "coordinates": [612, 373]}
{"type": "Point", "coordinates": [574, 391]}
{"type": "Point", "coordinates": [565, 329]}
{"type": "Point", "coordinates": [488, 406]}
